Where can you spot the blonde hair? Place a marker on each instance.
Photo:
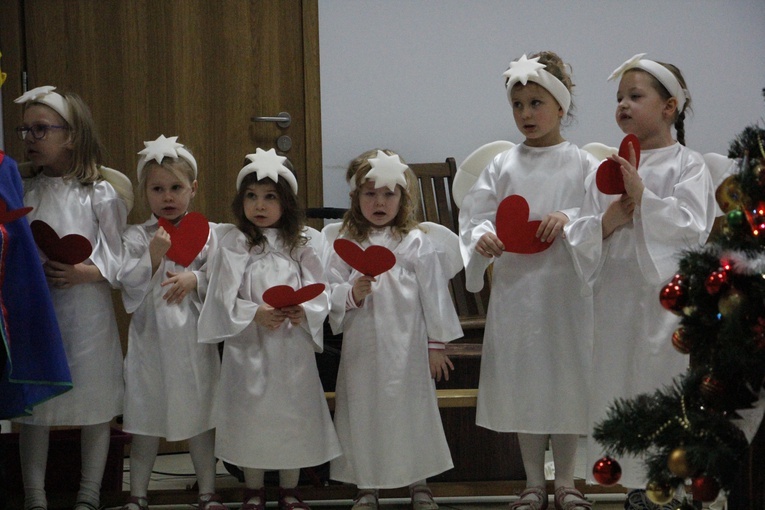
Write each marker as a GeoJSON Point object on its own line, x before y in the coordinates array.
{"type": "Point", "coordinates": [179, 167]}
{"type": "Point", "coordinates": [354, 223]}
{"type": "Point", "coordinates": [679, 120]}
{"type": "Point", "coordinates": [87, 150]}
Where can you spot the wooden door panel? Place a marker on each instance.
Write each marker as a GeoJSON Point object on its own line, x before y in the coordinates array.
{"type": "Point", "coordinates": [196, 69]}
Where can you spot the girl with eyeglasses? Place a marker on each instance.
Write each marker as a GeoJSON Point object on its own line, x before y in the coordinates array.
{"type": "Point", "coordinates": [68, 193]}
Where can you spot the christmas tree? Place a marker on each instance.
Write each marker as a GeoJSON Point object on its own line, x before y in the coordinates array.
{"type": "Point", "coordinates": [700, 427]}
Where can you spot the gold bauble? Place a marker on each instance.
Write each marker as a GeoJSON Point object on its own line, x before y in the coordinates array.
{"type": "Point", "coordinates": [729, 195]}
{"type": "Point", "coordinates": [730, 302]}
{"type": "Point", "coordinates": [677, 462]}
{"type": "Point", "coordinates": [659, 493]}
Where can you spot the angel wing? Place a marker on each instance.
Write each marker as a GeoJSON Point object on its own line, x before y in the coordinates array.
{"type": "Point", "coordinates": [120, 183]}
{"type": "Point", "coordinates": [471, 168]}
{"type": "Point", "coordinates": [447, 246]}
{"type": "Point", "coordinates": [599, 150]}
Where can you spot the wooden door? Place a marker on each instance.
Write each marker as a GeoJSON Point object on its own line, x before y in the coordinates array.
{"type": "Point", "coordinates": [198, 69]}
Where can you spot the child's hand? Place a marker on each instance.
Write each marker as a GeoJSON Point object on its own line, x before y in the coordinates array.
{"type": "Point", "coordinates": [489, 245]}
{"type": "Point", "coordinates": [269, 317]}
{"type": "Point", "coordinates": [63, 276]}
{"type": "Point", "coordinates": [158, 247]}
{"type": "Point", "coordinates": [440, 364]}
{"type": "Point", "coordinates": [633, 184]}
{"type": "Point", "coordinates": [295, 314]}
{"type": "Point", "coordinates": [362, 287]}
{"type": "Point", "coordinates": [551, 226]}
{"type": "Point", "coordinates": [181, 284]}
{"type": "Point", "coordinates": [618, 213]}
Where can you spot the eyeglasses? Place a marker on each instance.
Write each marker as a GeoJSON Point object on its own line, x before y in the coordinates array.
{"type": "Point", "coordinates": [39, 131]}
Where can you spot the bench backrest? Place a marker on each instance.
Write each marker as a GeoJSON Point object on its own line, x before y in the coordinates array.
{"type": "Point", "coordinates": [435, 181]}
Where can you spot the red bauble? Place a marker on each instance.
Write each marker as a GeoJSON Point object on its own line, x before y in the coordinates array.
{"type": "Point", "coordinates": [716, 281]}
{"type": "Point", "coordinates": [712, 390]}
{"type": "Point", "coordinates": [673, 296]}
{"type": "Point", "coordinates": [756, 218]}
{"type": "Point", "coordinates": [681, 342]}
{"type": "Point", "coordinates": [607, 471]}
{"type": "Point", "coordinates": [704, 488]}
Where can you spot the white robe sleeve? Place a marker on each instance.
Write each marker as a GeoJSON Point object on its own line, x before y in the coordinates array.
{"type": "Point", "coordinates": [667, 226]}
{"type": "Point", "coordinates": [224, 313]}
{"type": "Point", "coordinates": [311, 271]}
{"type": "Point", "coordinates": [441, 320]}
{"type": "Point", "coordinates": [111, 212]}
{"type": "Point", "coordinates": [328, 235]}
{"type": "Point", "coordinates": [584, 235]}
{"type": "Point", "coordinates": [338, 275]}
{"type": "Point", "coordinates": [477, 216]}
{"type": "Point", "coordinates": [201, 273]}
{"type": "Point", "coordinates": [135, 274]}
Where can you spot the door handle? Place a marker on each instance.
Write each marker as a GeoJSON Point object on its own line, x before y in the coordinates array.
{"type": "Point", "coordinates": [283, 120]}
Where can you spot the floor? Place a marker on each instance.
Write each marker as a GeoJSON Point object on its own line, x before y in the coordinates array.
{"type": "Point", "coordinates": [175, 472]}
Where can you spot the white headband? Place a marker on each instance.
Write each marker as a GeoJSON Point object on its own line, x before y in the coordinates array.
{"type": "Point", "coordinates": [386, 171]}
{"type": "Point", "coordinates": [162, 148]}
{"type": "Point", "coordinates": [267, 164]}
{"type": "Point", "coordinates": [658, 71]}
{"type": "Point", "coordinates": [525, 70]}
{"type": "Point", "coordinates": [46, 96]}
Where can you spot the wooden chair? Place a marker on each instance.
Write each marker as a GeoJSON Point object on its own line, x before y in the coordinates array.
{"type": "Point", "coordinates": [479, 455]}
{"type": "Point", "coordinates": [435, 181]}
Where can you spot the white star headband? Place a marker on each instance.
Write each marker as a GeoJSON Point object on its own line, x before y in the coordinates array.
{"type": "Point", "coordinates": [658, 71]}
{"type": "Point", "coordinates": [46, 96]}
{"type": "Point", "coordinates": [525, 70]}
{"type": "Point", "coordinates": [162, 148]}
{"type": "Point", "coordinates": [267, 164]}
{"type": "Point", "coordinates": [387, 170]}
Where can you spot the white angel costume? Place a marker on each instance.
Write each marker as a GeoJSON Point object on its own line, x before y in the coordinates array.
{"type": "Point", "coordinates": [633, 352]}
{"type": "Point", "coordinates": [270, 410]}
{"type": "Point", "coordinates": [170, 378]}
{"type": "Point", "coordinates": [537, 345]}
{"type": "Point", "coordinates": [85, 313]}
{"type": "Point", "coordinates": [386, 410]}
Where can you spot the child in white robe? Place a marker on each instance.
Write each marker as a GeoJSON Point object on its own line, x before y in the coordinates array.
{"type": "Point", "coordinates": [394, 327]}
{"type": "Point", "coordinates": [537, 345]}
{"type": "Point", "coordinates": [67, 191]}
{"type": "Point", "coordinates": [627, 246]}
{"type": "Point", "coordinates": [270, 410]}
{"type": "Point", "coordinates": [170, 378]}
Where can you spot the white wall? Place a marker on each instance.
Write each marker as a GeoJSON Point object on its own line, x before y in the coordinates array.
{"type": "Point", "coordinates": [423, 77]}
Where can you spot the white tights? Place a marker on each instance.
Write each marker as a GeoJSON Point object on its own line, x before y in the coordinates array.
{"type": "Point", "coordinates": [143, 454]}
{"type": "Point", "coordinates": [255, 478]}
{"type": "Point", "coordinates": [533, 448]}
{"type": "Point", "coordinates": [33, 449]}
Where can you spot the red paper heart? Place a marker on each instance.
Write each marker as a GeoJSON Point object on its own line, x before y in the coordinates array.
{"type": "Point", "coordinates": [609, 177]}
{"type": "Point", "coordinates": [70, 249]}
{"type": "Point", "coordinates": [187, 238]}
{"type": "Point", "coordinates": [281, 296]}
{"type": "Point", "coordinates": [7, 216]}
{"type": "Point", "coordinates": [514, 229]}
{"type": "Point", "coordinates": [373, 261]}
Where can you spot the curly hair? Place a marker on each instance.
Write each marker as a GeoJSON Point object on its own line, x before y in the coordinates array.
{"type": "Point", "coordinates": [291, 223]}
{"type": "Point", "coordinates": [355, 224]}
